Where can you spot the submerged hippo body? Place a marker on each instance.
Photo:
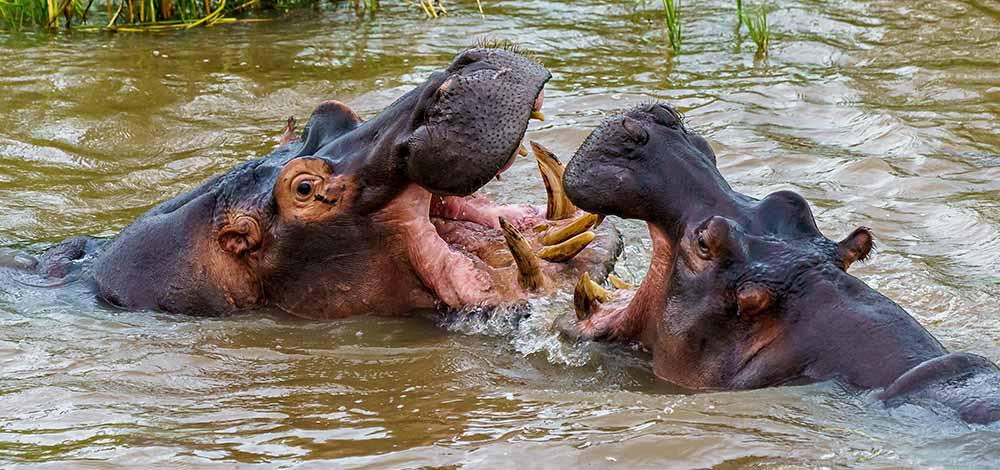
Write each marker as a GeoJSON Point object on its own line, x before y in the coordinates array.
{"type": "Point", "coordinates": [355, 216]}
{"type": "Point", "coordinates": [744, 293]}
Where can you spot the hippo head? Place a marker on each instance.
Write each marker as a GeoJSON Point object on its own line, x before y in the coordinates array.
{"type": "Point", "coordinates": [359, 216]}
{"type": "Point", "coordinates": [741, 293]}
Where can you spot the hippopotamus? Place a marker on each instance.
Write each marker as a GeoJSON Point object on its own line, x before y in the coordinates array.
{"type": "Point", "coordinates": [355, 216]}
{"type": "Point", "coordinates": [744, 293]}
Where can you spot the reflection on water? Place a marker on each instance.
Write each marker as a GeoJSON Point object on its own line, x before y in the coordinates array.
{"type": "Point", "coordinates": [880, 114]}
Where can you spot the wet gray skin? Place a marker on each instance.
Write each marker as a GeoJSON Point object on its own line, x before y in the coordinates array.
{"type": "Point", "coordinates": [746, 293]}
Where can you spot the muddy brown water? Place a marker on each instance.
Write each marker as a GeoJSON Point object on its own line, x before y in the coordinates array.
{"type": "Point", "coordinates": [879, 113]}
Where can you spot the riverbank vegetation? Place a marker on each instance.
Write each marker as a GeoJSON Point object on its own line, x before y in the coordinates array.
{"type": "Point", "coordinates": [158, 15]}
{"type": "Point", "coordinates": [153, 15]}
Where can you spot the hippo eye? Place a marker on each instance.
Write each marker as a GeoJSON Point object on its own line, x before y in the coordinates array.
{"type": "Point", "coordinates": [304, 188]}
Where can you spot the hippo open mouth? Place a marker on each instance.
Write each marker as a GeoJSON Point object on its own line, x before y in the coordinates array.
{"type": "Point", "coordinates": [367, 216]}
{"type": "Point", "coordinates": [466, 129]}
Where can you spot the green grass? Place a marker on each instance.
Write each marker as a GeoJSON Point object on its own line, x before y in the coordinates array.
{"type": "Point", "coordinates": [154, 15]}
{"type": "Point", "coordinates": [672, 17]}
{"type": "Point", "coordinates": [758, 28]}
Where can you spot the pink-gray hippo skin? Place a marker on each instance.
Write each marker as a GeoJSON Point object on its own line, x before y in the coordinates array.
{"type": "Point", "coordinates": [355, 216]}
{"type": "Point", "coordinates": [744, 293]}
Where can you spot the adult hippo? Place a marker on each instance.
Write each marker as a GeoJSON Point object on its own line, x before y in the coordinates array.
{"type": "Point", "coordinates": [357, 216]}
{"type": "Point", "coordinates": [744, 293]}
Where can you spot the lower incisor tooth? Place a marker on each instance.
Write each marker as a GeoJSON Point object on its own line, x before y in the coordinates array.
{"type": "Point", "coordinates": [572, 229]}
{"type": "Point", "coordinates": [566, 250]}
{"type": "Point", "coordinates": [618, 283]}
{"type": "Point", "coordinates": [587, 295]}
{"type": "Point", "coordinates": [529, 272]}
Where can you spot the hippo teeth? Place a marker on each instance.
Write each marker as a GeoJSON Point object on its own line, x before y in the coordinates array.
{"type": "Point", "coordinates": [618, 283]}
{"type": "Point", "coordinates": [559, 206]}
{"type": "Point", "coordinates": [574, 228]}
{"type": "Point", "coordinates": [563, 244]}
{"type": "Point", "coordinates": [537, 115]}
{"type": "Point", "coordinates": [587, 295]}
{"type": "Point", "coordinates": [522, 151]}
{"type": "Point", "coordinates": [566, 250]}
{"type": "Point", "coordinates": [529, 272]}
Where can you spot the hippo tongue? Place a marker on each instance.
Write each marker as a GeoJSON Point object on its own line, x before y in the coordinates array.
{"type": "Point", "coordinates": [477, 209]}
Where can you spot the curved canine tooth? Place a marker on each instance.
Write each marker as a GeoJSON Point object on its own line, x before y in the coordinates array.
{"type": "Point", "coordinates": [522, 151]}
{"type": "Point", "coordinates": [566, 250]}
{"type": "Point", "coordinates": [618, 283]}
{"type": "Point", "coordinates": [574, 228]}
{"type": "Point", "coordinates": [559, 206]}
{"type": "Point", "coordinates": [537, 115]}
{"type": "Point", "coordinates": [529, 273]}
{"type": "Point", "coordinates": [586, 294]}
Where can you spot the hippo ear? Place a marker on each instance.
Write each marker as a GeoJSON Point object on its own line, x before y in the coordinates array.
{"type": "Point", "coordinates": [856, 246]}
{"type": "Point", "coordinates": [753, 298]}
{"type": "Point", "coordinates": [240, 236]}
{"type": "Point", "coordinates": [330, 120]}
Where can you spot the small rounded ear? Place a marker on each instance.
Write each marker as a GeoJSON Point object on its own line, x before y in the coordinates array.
{"type": "Point", "coordinates": [240, 236]}
{"type": "Point", "coordinates": [703, 146]}
{"type": "Point", "coordinates": [856, 246]}
{"type": "Point", "coordinates": [753, 298]}
{"type": "Point", "coordinates": [712, 238]}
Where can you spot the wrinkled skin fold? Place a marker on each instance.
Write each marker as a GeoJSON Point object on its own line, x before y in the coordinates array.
{"type": "Point", "coordinates": [746, 293]}
{"type": "Point", "coordinates": [354, 216]}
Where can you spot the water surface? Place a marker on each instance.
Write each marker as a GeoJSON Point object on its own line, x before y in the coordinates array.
{"type": "Point", "coordinates": [881, 114]}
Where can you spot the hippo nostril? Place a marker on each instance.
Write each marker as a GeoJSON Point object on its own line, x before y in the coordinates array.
{"type": "Point", "coordinates": [635, 130]}
{"type": "Point", "coordinates": [665, 115]}
{"type": "Point", "coordinates": [466, 58]}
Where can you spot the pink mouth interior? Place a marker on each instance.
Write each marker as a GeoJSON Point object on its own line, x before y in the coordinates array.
{"type": "Point", "coordinates": [455, 241]}
{"type": "Point", "coordinates": [454, 244]}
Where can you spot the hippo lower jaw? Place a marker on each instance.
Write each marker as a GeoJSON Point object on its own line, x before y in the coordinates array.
{"type": "Point", "coordinates": [469, 251]}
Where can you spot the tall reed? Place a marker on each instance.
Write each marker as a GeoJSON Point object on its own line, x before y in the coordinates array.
{"type": "Point", "coordinates": [739, 14]}
{"type": "Point", "coordinates": [758, 28]}
{"type": "Point", "coordinates": [672, 20]}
